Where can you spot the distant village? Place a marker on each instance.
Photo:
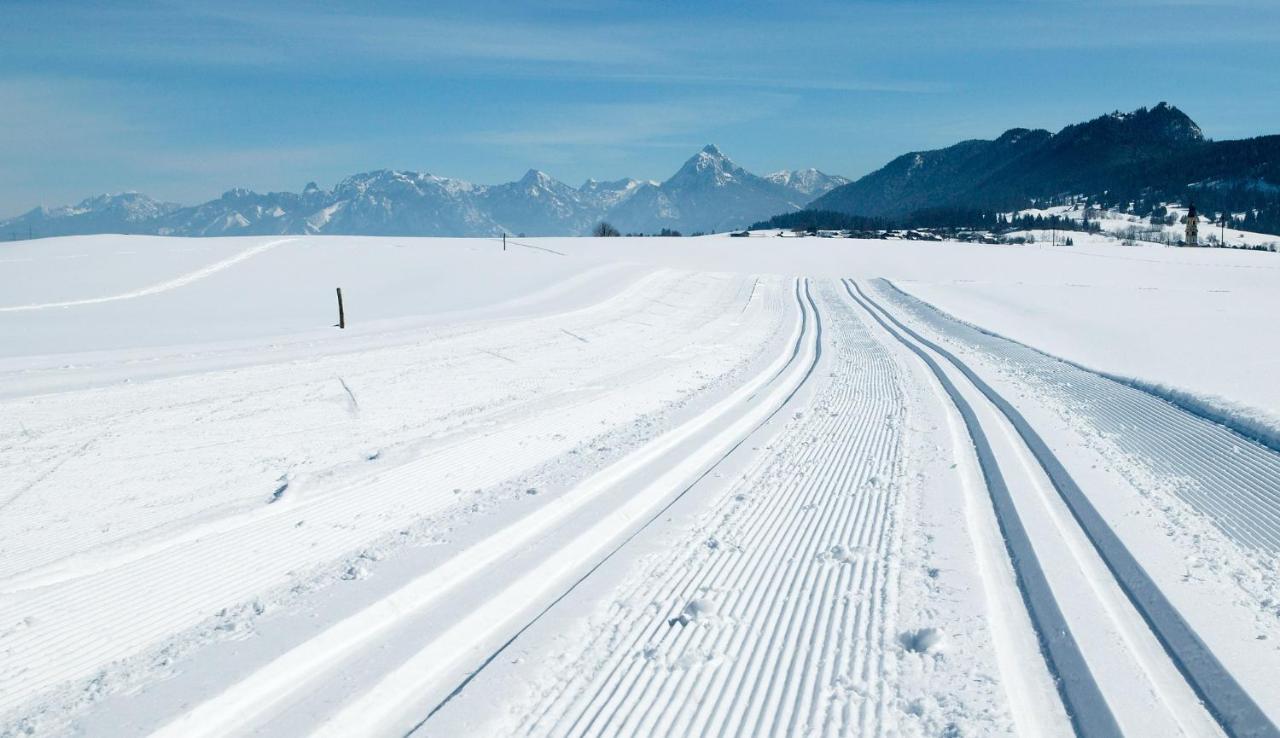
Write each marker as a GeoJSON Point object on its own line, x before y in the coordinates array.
{"type": "Point", "coordinates": [1055, 229]}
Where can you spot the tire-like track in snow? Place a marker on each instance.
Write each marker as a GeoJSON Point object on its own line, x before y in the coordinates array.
{"type": "Point", "coordinates": [1232, 480]}
{"type": "Point", "coordinates": [781, 623]}
{"type": "Point", "coordinates": [1080, 694]}
{"type": "Point", "coordinates": [1229, 704]}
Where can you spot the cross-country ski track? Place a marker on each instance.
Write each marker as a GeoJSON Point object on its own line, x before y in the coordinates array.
{"type": "Point", "coordinates": [710, 503]}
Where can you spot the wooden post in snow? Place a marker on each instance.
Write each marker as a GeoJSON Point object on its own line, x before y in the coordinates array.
{"type": "Point", "coordinates": [342, 316]}
{"type": "Point", "coordinates": [504, 242]}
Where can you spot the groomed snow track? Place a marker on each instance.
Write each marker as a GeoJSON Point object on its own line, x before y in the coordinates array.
{"type": "Point", "coordinates": [781, 619]}
{"type": "Point", "coordinates": [776, 614]}
{"type": "Point", "coordinates": [1078, 663]}
{"type": "Point", "coordinates": [532, 562]}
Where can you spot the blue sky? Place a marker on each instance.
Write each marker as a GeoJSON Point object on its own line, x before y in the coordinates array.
{"type": "Point", "coordinates": [183, 100]}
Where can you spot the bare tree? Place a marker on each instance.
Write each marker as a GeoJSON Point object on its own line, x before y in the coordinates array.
{"type": "Point", "coordinates": [605, 230]}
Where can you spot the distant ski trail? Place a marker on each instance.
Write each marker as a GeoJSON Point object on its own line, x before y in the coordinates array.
{"type": "Point", "coordinates": [1225, 699]}
{"type": "Point", "coordinates": [172, 284]}
{"type": "Point", "coordinates": [781, 621]}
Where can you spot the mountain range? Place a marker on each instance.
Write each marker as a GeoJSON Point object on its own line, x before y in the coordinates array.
{"type": "Point", "coordinates": [1118, 159]}
{"type": "Point", "coordinates": [709, 193]}
{"type": "Point", "coordinates": [1128, 160]}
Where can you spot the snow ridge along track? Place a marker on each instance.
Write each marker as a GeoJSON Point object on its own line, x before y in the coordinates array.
{"type": "Point", "coordinates": [1234, 710]}
{"type": "Point", "coordinates": [779, 619]}
{"type": "Point", "coordinates": [391, 703]}
{"type": "Point", "coordinates": [1232, 480]}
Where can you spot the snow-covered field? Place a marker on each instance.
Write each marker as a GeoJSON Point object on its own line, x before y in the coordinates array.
{"type": "Point", "coordinates": [698, 486]}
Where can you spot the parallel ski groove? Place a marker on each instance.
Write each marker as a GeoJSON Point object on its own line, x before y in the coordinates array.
{"type": "Point", "coordinates": [1225, 699]}
{"type": "Point", "coordinates": [1078, 687]}
{"type": "Point", "coordinates": [774, 594]}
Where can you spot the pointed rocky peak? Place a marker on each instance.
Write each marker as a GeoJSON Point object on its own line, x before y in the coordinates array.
{"type": "Point", "coordinates": [712, 156]}
{"type": "Point", "coordinates": [536, 180]}
{"type": "Point", "coordinates": [1162, 125]}
{"type": "Point", "coordinates": [709, 166]}
{"type": "Point", "coordinates": [535, 177]}
{"type": "Point", "coordinates": [1172, 124]}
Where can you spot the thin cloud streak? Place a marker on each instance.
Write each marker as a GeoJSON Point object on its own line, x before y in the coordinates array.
{"type": "Point", "coordinates": [632, 124]}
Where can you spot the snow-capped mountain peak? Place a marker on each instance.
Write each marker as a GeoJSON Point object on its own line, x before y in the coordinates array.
{"type": "Point", "coordinates": [811, 182]}
{"type": "Point", "coordinates": [536, 178]}
{"type": "Point", "coordinates": [709, 166]}
{"type": "Point", "coordinates": [129, 207]}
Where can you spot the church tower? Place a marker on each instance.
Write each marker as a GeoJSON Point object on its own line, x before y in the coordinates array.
{"type": "Point", "coordinates": [1193, 231]}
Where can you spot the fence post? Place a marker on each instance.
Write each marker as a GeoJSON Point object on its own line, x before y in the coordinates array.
{"type": "Point", "coordinates": [342, 316]}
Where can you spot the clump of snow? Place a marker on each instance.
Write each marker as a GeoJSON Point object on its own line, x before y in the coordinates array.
{"type": "Point", "coordinates": [696, 609]}
{"type": "Point", "coordinates": [842, 554]}
{"type": "Point", "coordinates": [923, 640]}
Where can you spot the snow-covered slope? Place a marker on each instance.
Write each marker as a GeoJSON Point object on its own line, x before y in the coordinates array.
{"type": "Point", "coordinates": [660, 486]}
{"type": "Point", "coordinates": [1167, 227]}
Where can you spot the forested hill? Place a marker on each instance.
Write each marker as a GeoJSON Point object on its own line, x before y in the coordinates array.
{"type": "Point", "coordinates": [1145, 157]}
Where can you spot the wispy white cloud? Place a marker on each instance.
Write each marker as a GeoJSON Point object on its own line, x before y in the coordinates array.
{"type": "Point", "coordinates": [234, 34]}
{"type": "Point", "coordinates": [648, 124]}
